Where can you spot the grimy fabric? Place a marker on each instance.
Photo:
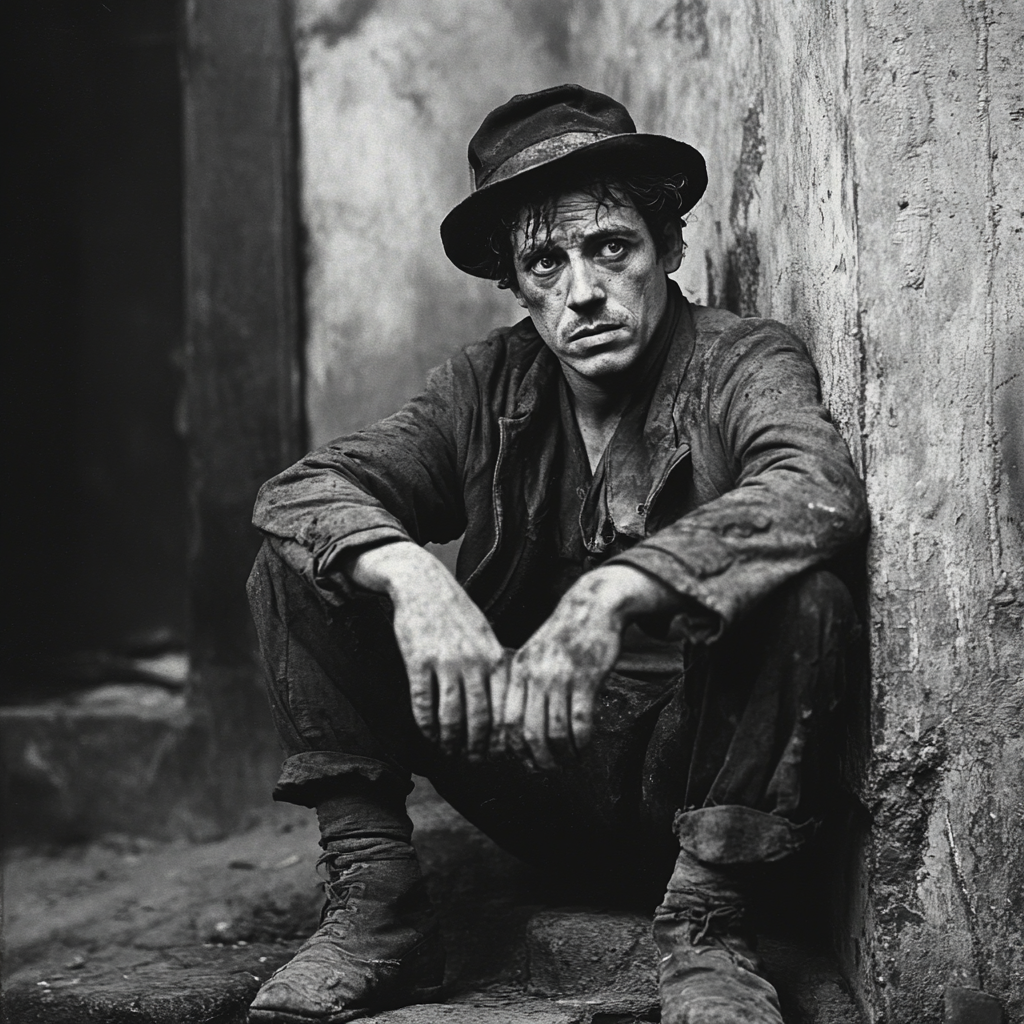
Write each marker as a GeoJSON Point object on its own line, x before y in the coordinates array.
{"type": "Point", "coordinates": [728, 482]}
{"type": "Point", "coordinates": [749, 481]}
{"type": "Point", "coordinates": [741, 740]}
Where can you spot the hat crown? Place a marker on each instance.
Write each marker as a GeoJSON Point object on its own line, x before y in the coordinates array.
{"type": "Point", "coordinates": [528, 120]}
{"type": "Point", "coordinates": [564, 132]}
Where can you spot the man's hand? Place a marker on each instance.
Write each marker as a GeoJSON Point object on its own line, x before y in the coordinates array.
{"type": "Point", "coordinates": [451, 653]}
{"type": "Point", "coordinates": [548, 711]}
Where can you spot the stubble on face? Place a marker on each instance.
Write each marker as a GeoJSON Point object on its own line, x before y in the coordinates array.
{"type": "Point", "coordinates": [593, 282]}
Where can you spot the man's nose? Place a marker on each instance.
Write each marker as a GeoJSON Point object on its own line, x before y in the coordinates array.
{"type": "Point", "coordinates": [586, 288]}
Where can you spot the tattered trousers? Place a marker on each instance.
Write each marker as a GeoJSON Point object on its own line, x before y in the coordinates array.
{"type": "Point", "coordinates": [742, 743]}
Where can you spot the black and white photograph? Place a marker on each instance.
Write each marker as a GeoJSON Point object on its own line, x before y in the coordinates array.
{"type": "Point", "coordinates": [515, 512]}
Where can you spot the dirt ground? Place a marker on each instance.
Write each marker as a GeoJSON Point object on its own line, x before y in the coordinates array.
{"type": "Point", "coordinates": [125, 930]}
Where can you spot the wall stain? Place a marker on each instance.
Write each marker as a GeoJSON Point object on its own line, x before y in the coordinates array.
{"type": "Point", "coordinates": [687, 22]}
{"type": "Point", "coordinates": [742, 259]}
{"type": "Point", "coordinates": [345, 20]}
{"type": "Point", "coordinates": [742, 266]}
{"type": "Point", "coordinates": [970, 913]}
{"type": "Point", "coordinates": [905, 783]}
{"type": "Point", "coordinates": [748, 170]}
{"type": "Point", "coordinates": [709, 271]}
{"type": "Point", "coordinates": [548, 20]}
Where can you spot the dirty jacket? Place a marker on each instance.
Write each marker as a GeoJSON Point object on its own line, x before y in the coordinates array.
{"type": "Point", "coordinates": [749, 481]}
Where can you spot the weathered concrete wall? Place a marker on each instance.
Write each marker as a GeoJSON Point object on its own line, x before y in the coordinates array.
{"type": "Point", "coordinates": [391, 91]}
{"type": "Point", "coordinates": [866, 187]}
{"type": "Point", "coordinates": [940, 199]}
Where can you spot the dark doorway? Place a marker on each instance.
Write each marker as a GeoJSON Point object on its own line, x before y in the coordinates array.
{"type": "Point", "coordinates": [95, 469]}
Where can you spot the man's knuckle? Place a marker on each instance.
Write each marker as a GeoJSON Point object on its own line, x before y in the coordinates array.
{"type": "Point", "coordinates": [419, 672]}
{"type": "Point", "coordinates": [448, 687]}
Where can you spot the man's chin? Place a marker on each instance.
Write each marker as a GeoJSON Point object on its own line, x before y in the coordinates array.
{"type": "Point", "coordinates": [604, 356]}
{"type": "Point", "coordinates": [604, 366]}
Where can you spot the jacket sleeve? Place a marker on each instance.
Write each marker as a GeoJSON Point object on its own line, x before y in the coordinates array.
{"type": "Point", "coordinates": [396, 480]}
{"type": "Point", "coordinates": [797, 499]}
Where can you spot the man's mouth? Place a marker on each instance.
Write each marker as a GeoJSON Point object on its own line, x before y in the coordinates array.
{"type": "Point", "coordinates": [589, 332]}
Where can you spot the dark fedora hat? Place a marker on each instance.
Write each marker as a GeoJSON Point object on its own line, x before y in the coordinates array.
{"type": "Point", "coordinates": [567, 126]}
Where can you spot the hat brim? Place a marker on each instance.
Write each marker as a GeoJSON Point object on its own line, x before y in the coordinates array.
{"type": "Point", "coordinates": [466, 231]}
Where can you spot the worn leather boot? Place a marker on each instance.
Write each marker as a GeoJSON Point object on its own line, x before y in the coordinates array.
{"type": "Point", "coordinates": [377, 946]}
{"type": "Point", "coordinates": [709, 972]}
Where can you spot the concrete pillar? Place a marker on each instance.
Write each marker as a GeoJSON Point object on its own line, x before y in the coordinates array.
{"type": "Point", "coordinates": [244, 410]}
{"type": "Point", "coordinates": [937, 150]}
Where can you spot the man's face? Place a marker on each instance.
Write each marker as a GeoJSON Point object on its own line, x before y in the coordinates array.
{"type": "Point", "coordinates": [594, 285]}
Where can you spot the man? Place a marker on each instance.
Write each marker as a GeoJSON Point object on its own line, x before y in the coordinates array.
{"type": "Point", "coordinates": [632, 673]}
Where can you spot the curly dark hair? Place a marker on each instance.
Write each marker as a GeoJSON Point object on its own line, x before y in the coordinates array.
{"type": "Point", "coordinates": [656, 198]}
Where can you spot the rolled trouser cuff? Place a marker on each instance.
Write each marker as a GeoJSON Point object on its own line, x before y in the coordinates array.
{"type": "Point", "coordinates": [730, 834]}
{"type": "Point", "coordinates": [312, 776]}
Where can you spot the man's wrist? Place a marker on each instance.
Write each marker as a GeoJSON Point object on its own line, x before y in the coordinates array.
{"type": "Point", "coordinates": [385, 568]}
{"type": "Point", "coordinates": [625, 593]}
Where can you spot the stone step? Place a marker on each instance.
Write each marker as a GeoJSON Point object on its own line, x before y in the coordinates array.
{"type": "Point", "coordinates": [611, 959]}
{"type": "Point", "coordinates": [517, 1010]}
{"type": "Point", "coordinates": [94, 761]}
{"type": "Point", "coordinates": [147, 933]}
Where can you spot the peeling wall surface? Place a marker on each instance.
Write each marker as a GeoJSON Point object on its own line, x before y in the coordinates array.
{"type": "Point", "coordinates": [391, 91]}
{"type": "Point", "coordinates": [937, 99]}
{"type": "Point", "coordinates": [866, 176]}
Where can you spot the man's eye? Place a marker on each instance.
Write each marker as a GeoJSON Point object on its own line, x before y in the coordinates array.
{"type": "Point", "coordinates": [544, 265]}
{"type": "Point", "coordinates": [614, 247]}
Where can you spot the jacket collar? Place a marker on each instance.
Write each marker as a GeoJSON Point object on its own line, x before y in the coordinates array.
{"type": "Point", "coordinates": [640, 455]}
{"type": "Point", "coordinates": [661, 429]}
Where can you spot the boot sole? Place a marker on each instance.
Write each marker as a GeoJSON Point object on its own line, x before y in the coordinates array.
{"type": "Point", "coordinates": [407, 992]}
{"type": "Point", "coordinates": [431, 994]}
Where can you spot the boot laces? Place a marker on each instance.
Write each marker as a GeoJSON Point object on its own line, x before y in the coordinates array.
{"type": "Point", "coordinates": [710, 920]}
{"type": "Point", "coordinates": [337, 889]}
{"type": "Point", "coordinates": [709, 926]}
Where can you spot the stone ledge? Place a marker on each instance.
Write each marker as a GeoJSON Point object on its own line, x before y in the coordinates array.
{"type": "Point", "coordinates": [609, 959]}
{"type": "Point", "coordinates": [123, 985]}
{"type": "Point", "coordinates": [606, 959]}
{"type": "Point", "coordinates": [108, 759]}
{"type": "Point", "coordinates": [521, 1011]}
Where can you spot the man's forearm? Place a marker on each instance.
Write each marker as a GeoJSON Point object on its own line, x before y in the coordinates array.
{"type": "Point", "coordinates": [452, 657]}
{"type": "Point", "coordinates": [391, 568]}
